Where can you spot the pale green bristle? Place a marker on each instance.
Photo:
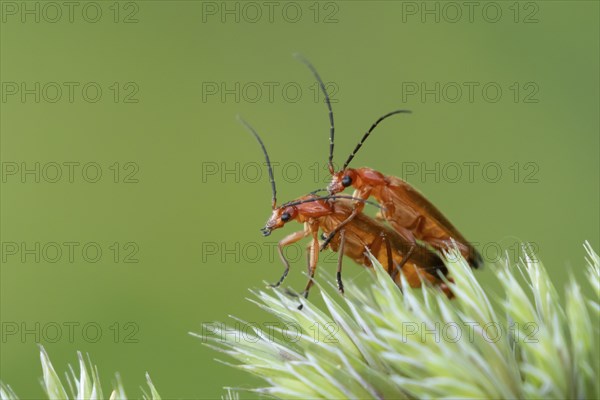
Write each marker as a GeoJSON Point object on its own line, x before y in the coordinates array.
{"type": "Point", "coordinates": [84, 385]}
{"type": "Point", "coordinates": [527, 343]}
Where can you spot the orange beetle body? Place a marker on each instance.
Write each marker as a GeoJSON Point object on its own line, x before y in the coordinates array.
{"type": "Point", "coordinates": [360, 234]}
{"type": "Point", "coordinates": [405, 208]}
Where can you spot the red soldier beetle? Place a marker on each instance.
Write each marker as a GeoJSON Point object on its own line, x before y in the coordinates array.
{"type": "Point", "coordinates": [404, 207]}
{"type": "Point", "coordinates": [359, 234]}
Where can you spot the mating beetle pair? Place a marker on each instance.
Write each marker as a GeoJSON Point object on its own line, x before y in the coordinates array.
{"type": "Point", "coordinates": [416, 230]}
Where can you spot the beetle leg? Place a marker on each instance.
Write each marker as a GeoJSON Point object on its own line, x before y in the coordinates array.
{"type": "Point", "coordinates": [363, 193]}
{"type": "Point", "coordinates": [375, 248]}
{"type": "Point", "coordinates": [411, 243]}
{"type": "Point", "coordinates": [338, 228]}
{"type": "Point", "coordinates": [314, 257]}
{"type": "Point", "coordinates": [308, 255]}
{"type": "Point", "coordinates": [388, 251]}
{"type": "Point", "coordinates": [406, 257]}
{"type": "Point", "coordinates": [340, 258]}
{"type": "Point", "coordinates": [286, 241]}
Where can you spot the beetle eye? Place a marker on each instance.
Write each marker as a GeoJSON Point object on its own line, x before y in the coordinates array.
{"type": "Point", "coordinates": [285, 217]}
{"type": "Point", "coordinates": [346, 181]}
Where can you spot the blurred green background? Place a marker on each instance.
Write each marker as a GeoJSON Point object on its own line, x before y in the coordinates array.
{"type": "Point", "coordinates": [172, 77]}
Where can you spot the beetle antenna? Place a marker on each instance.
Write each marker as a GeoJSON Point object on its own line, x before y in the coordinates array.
{"type": "Point", "coordinates": [366, 135]}
{"type": "Point", "coordinates": [327, 101]}
{"type": "Point", "coordinates": [337, 196]}
{"type": "Point", "coordinates": [264, 149]}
